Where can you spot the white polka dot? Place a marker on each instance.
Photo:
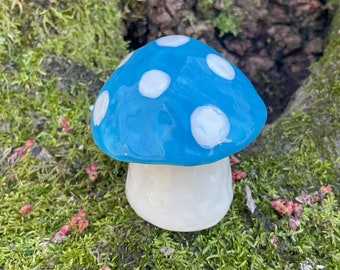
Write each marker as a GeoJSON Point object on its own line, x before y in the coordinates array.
{"type": "Point", "coordinates": [209, 126]}
{"type": "Point", "coordinates": [220, 66]}
{"type": "Point", "coordinates": [172, 41]}
{"type": "Point", "coordinates": [153, 83]}
{"type": "Point", "coordinates": [100, 107]}
{"type": "Point", "coordinates": [125, 59]}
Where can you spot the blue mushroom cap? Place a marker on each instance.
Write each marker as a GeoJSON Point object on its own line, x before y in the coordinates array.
{"type": "Point", "coordinates": [176, 101]}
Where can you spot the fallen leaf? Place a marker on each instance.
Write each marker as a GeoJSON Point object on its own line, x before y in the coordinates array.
{"type": "Point", "coordinates": [92, 172]}
{"type": "Point", "coordinates": [58, 237]}
{"type": "Point", "coordinates": [64, 124]}
{"type": "Point", "coordinates": [297, 209]}
{"type": "Point", "coordinates": [237, 175]}
{"type": "Point", "coordinates": [294, 222]}
{"type": "Point", "coordinates": [25, 209]}
{"type": "Point", "coordinates": [20, 151]}
{"type": "Point", "coordinates": [82, 225]}
{"type": "Point", "coordinates": [167, 251]}
{"type": "Point", "coordinates": [325, 189]}
{"type": "Point", "coordinates": [105, 268]}
{"type": "Point", "coordinates": [250, 202]}
{"type": "Point", "coordinates": [274, 241]}
{"type": "Point", "coordinates": [234, 160]}
{"type": "Point", "coordinates": [314, 197]}
{"type": "Point", "coordinates": [29, 144]}
{"type": "Point", "coordinates": [308, 198]}
{"type": "Point", "coordinates": [283, 206]}
{"type": "Point", "coordinates": [79, 221]}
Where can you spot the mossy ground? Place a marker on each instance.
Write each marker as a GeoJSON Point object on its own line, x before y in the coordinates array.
{"type": "Point", "coordinates": [296, 154]}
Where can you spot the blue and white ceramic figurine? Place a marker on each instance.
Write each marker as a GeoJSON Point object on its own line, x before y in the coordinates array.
{"type": "Point", "coordinates": [175, 109]}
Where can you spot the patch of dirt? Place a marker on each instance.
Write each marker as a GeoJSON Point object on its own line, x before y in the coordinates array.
{"type": "Point", "coordinates": [71, 74]}
{"type": "Point", "coordinates": [278, 42]}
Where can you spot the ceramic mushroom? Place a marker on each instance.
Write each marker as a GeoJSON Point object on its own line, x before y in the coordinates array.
{"type": "Point", "coordinates": [175, 109]}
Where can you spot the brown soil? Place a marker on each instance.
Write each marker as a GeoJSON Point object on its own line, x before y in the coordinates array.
{"type": "Point", "coordinates": [278, 42]}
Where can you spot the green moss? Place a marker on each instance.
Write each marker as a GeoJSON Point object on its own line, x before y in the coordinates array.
{"type": "Point", "coordinates": [226, 21]}
{"type": "Point", "coordinates": [296, 154]}
{"type": "Point", "coordinates": [83, 31]}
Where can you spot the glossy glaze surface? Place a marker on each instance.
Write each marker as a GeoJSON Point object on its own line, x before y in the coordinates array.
{"type": "Point", "coordinates": [176, 101]}
{"type": "Point", "coordinates": [180, 198]}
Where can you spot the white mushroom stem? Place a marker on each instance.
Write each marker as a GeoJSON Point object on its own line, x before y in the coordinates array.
{"type": "Point", "coordinates": [180, 198]}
